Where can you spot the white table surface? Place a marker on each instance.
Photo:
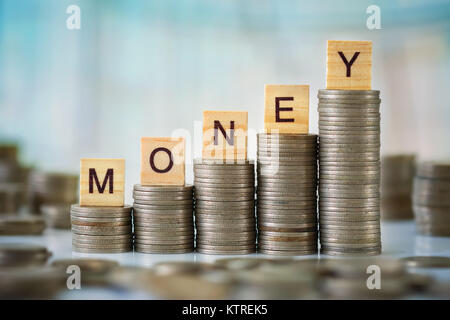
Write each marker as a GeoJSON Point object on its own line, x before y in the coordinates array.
{"type": "Point", "coordinates": [399, 239]}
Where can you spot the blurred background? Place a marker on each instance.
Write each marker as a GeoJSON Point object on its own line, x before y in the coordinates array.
{"type": "Point", "coordinates": [149, 68]}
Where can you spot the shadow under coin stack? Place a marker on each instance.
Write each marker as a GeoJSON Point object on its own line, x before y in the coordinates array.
{"type": "Point", "coordinates": [225, 207]}
{"type": "Point", "coordinates": [397, 173]}
{"type": "Point", "coordinates": [349, 172]}
{"type": "Point", "coordinates": [431, 198]}
{"type": "Point", "coordinates": [101, 229]}
{"type": "Point", "coordinates": [287, 194]}
{"type": "Point", "coordinates": [163, 219]}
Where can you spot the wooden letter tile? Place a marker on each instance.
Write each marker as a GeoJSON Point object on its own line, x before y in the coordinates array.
{"type": "Point", "coordinates": [162, 161]}
{"type": "Point", "coordinates": [286, 109]}
{"type": "Point", "coordinates": [102, 182]}
{"type": "Point", "coordinates": [225, 135]}
{"type": "Point", "coordinates": [349, 65]}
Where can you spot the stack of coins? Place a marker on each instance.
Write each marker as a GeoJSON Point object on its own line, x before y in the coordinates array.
{"type": "Point", "coordinates": [431, 198]}
{"type": "Point", "coordinates": [11, 197]}
{"type": "Point", "coordinates": [10, 170]}
{"type": "Point", "coordinates": [101, 229]}
{"type": "Point", "coordinates": [349, 172]}
{"type": "Point", "coordinates": [51, 188]}
{"type": "Point", "coordinates": [225, 206]}
{"type": "Point", "coordinates": [21, 225]}
{"type": "Point", "coordinates": [163, 219]}
{"type": "Point", "coordinates": [397, 173]}
{"type": "Point", "coordinates": [287, 194]}
{"type": "Point", "coordinates": [22, 255]}
{"type": "Point", "coordinates": [12, 187]}
{"type": "Point", "coordinates": [57, 216]}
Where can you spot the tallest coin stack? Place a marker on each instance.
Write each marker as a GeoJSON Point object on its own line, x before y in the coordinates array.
{"type": "Point", "coordinates": [349, 175]}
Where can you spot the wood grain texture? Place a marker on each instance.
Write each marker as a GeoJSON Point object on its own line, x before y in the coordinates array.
{"type": "Point", "coordinates": [286, 109]}
{"type": "Point", "coordinates": [91, 194]}
{"type": "Point", "coordinates": [360, 76]}
{"type": "Point", "coordinates": [162, 161]}
{"type": "Point", "coordinates": [231, 147]}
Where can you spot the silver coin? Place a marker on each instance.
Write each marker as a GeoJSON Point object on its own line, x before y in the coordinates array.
{"type": "Point", "coordinates": [283, 222]}
{"type": "Point", "coordinates": [221, 213]}
{"type": "Point", "coordinates": [426, 262]}
{"type": "Point", "coordinates": [286, 149]}
{"type": "Point", "coordinates": [227, 236]}
{"type": "Point", "coordinates": [335, 138]}
{"type": "Point", "coordinates": [351, 93]}
{"type": "Point", "coordinates": [287, 189]}
{"type": "Point", "coordinates": [239, 225]}
{"type": "Point", "coordinates": [348, 130]}
{"type": "Point", "coordinates": [347, 124]}
{"type": "Point", "coordinates": [101, 237]}
{"type": "Point", "coordinates": [142, 233]}
{"type": "Point", "coordinates": [312, 245]}
{"type": "Point", "coordinates": [164, 215]}
{"type": "Point", "coordinates": [225, 198]}
{"type": "Point", "coordinates": [101, 219]}
{"type": "Point", "coordinates": [221, 162]}
{"type": "Point", "coordinates": [163, 193]}
{"type": "Point", "coordinates": [287, 136]}
{"type": "Point", "coordinates": [225, 185]}
{"type": "Point", "coordinates": [349, 249]}
{"type": "Point", "coordinates": [100, 214]}
{"type": "Point", "coordinates": [217, 179]}
{"type": "Point", "coordinates": [102, 246]}
{"type": "Point", "coordinates": [212, 205]}
{"type": "Point", "coordinates": [297, 240]}
{"type": "Point", "coordinates": [281, 214]}
{"type": "Point", "coordinates": [185, 188]}
{"type": "Point", "coordinates": [101, 250]}
{"type": "Point", "coordinates": [225, 247]}
{"type": "Point", "coordinates": [277, 206]}
{"type": "Point", "coordinates": [162, 198]}
{"type": "Point", "coordinates": [155, 250]}
{"type": "Point", "coordinates": [164, 242]}
{"type": "Point", "coordinates": [356, 120]}
{"type": "Point", "coordinates": [222, 190]}
{"type": "Point", "coordinates": [348, 195]}
{"type": "Point", "coordinates": [347, 242]}
{"type": "Point", "coordinates": [78, 208]}
{"type": "Point", "coordinates": [353, 235]}
{"type": "Point", "coordinates": [344, 110]}
{"type": "Point", "coordinates": [101, 230]}
{"type": "Point", "coordinates": [287, 253]}
{"type": "Point", "coordinates": [173, 207]}
{"type": "Point", "coordinates": [225, 252]}
{"type": "Point", "coordinates": [167, 202]}
{"type": "Point", "coordinates": [302, 156]}
{"type": "Point", "coordinates": [89, 242]}
{"type": "Point", "coordinates": [337, 218]}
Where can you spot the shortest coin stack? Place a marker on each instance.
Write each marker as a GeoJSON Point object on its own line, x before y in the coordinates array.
{"type": "Point", "coordinates": [163, 219]}
{"type": "Point", "coordinates": [101, 229]}
{"type": "Point", "coordinates": [431, 198]}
